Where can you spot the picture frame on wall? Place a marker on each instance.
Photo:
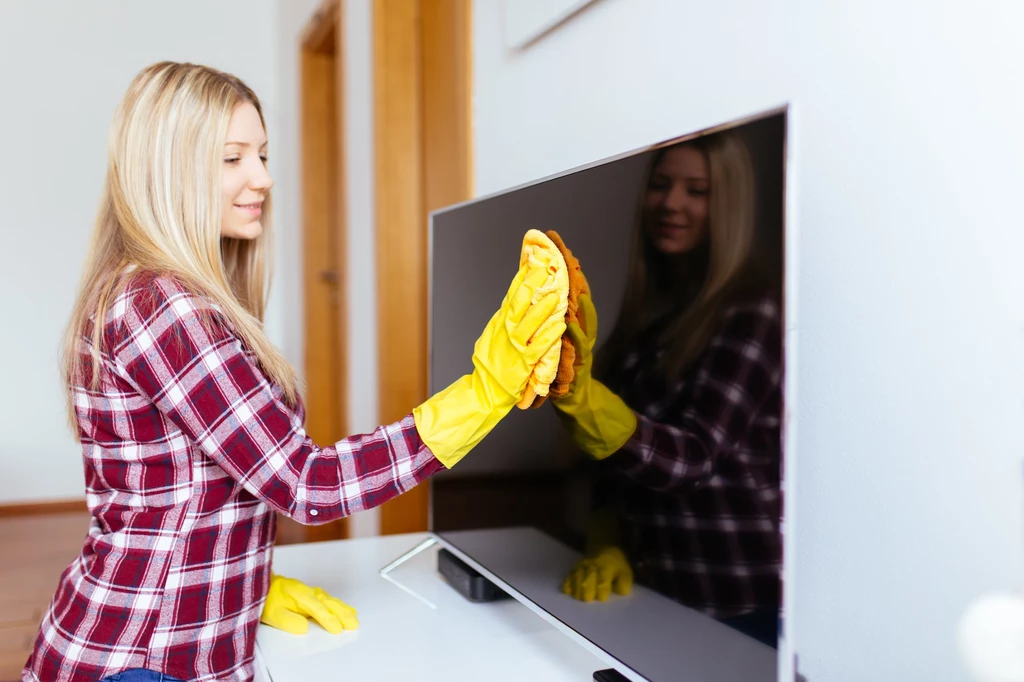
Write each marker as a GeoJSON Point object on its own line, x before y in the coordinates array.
{"type": "Point", "coordinates": [527, 21]}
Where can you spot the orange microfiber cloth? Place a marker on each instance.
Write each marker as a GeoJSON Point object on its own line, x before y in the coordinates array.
{"type": "Point", "coordinates": [567, 359]}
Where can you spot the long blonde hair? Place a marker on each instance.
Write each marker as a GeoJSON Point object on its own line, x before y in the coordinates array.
{"type": "Point", "coordinates": [695, 298]}
{"type": "Point", "coordinates": [161, 211]}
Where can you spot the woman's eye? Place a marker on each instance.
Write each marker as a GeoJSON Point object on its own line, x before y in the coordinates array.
{"type": "Point", "coordinates": [232, 159]}
{"type": "Point", "coordinates": [263, 158]}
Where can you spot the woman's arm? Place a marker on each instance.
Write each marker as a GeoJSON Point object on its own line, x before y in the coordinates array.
{"type": "Point", "coordinates": [736, 375]}
{"type": "Point", "coordinates": [199, 376]}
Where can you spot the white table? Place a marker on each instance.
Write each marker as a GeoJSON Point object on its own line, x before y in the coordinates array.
{"type": "Point", "coordinates": [412, 624]}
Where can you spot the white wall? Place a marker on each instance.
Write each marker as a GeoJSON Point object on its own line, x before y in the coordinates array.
{"type": "Point", "coordinates": [63, 68]}
{"type": "Point", "coordinates": [911, 326]}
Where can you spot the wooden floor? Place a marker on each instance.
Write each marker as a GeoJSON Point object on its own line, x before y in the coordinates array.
{"type": "Point", "coordinates": [38, 547]}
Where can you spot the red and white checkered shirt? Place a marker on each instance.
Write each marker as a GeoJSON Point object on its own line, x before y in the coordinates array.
{"type": "Point", "coordinates": [698, 486]}
{"type": "Point", "coordinates": [188, 451]}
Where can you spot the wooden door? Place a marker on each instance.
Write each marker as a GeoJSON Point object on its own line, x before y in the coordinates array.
{"type": "Point", "coordinates": [323, 236]}
{"type": "Point", "coordinates": [422, 118]}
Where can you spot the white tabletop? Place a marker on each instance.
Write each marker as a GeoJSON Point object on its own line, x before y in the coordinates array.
{"type": "Point", "coordinates": [412, 625]}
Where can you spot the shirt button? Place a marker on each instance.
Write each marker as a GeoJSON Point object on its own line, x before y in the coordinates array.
{"type": "Point", "coordinates": [313, 512]}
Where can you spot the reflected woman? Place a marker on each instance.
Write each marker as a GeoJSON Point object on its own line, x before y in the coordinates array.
{"type": "Point", "coordinates": [683, 409]}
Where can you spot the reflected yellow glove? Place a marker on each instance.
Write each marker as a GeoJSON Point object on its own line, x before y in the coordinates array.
{"type": "Point", "coordinates": [290, 602]}
{"type": "Point", "coordinates": [598, 576]}
{"type": "Point", "coordinates": [597, 419]}
{"type": "Point", "coordinates": [530, 321]}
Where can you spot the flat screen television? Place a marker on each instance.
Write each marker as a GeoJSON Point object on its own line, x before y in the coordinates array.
{"type": "Point", "coordinates": [682, 244]}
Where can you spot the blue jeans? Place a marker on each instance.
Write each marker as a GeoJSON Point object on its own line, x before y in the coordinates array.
{"type": "Point", "coordinates": [139, 675]}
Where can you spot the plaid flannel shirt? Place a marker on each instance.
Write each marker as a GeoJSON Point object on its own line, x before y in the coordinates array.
{"type": "Point", "coordinates": [698, 485]}
{"type": "Point", "coordinates": [188, 451]}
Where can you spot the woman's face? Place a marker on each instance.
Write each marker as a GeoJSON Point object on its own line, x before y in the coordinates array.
{"type": "Point", "coordinates": [676, 202]}
{"type": "Point", "coordinates": [246, 181]}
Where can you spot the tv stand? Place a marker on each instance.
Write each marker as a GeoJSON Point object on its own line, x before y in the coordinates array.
{"type": "Point", "coordinates": [466, 580]}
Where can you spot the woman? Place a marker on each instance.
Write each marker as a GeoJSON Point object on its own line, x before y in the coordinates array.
{"type": "Point", "coordinates": [686, 415]}
{"type": "Point", "coordinates": [190, 420]}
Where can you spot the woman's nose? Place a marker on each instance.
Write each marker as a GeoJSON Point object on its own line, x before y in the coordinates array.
{"type": "Point", "coordinates": [261, 180]}
{"type": "Point", "coordinates": [675, 200]}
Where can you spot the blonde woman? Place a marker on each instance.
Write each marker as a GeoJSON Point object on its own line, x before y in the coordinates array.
{"type": "Point", "coordinates": [685, 413]}
{"type": "Point", "coordinates": [190, 420]}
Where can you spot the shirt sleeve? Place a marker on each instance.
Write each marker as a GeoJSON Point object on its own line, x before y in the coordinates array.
{"type": "Point", "coordinates": [179, 352]}
{"type": "Point", "coordinates": [736, 375]}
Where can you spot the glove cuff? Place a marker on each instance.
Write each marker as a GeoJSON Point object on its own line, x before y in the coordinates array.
{"type": "Point", "coordinates": [599, 420]}
{"type": "Point", "coordinates": [454, 421]}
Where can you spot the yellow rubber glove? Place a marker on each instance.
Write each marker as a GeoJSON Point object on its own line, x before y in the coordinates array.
{"type": "Point", "coordinates": [598, 576]}
{"type": "Point", "coordinates": [598, 420]}
{"type": "Point", "coordinates": [290, 603]}
{"type": "Point", "coordinates": [540, 250]}
{"type": "Point", "coordinates": [524, 328]}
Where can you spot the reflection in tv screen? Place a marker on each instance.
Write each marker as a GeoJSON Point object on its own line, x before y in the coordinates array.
{"type": "Point", "coordinates": [659, 468]}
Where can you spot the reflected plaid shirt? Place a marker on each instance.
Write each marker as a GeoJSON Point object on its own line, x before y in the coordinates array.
{"type": "Point", "coordinates": [188, 451]}
{"type": "Point", "coordinates": [698, 485]}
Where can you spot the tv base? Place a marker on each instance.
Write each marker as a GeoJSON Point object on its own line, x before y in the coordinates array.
{"type": "Point", "coordinates": [466, 580]}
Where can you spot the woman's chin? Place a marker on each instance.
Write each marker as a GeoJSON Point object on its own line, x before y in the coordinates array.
{"type": "Point", "coordinates": [671, 246]}
{"type": "Point", "coordinates": [248, 231]}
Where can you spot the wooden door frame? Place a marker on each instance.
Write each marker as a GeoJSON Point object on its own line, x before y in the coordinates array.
{"type": "Point", "coordinates": [423, 155]}
{"type": "Point", "coordinates": [324, 244]}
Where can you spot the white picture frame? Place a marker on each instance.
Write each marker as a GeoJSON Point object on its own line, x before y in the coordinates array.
{"type": "Point", "coordinates": [527, 21]}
